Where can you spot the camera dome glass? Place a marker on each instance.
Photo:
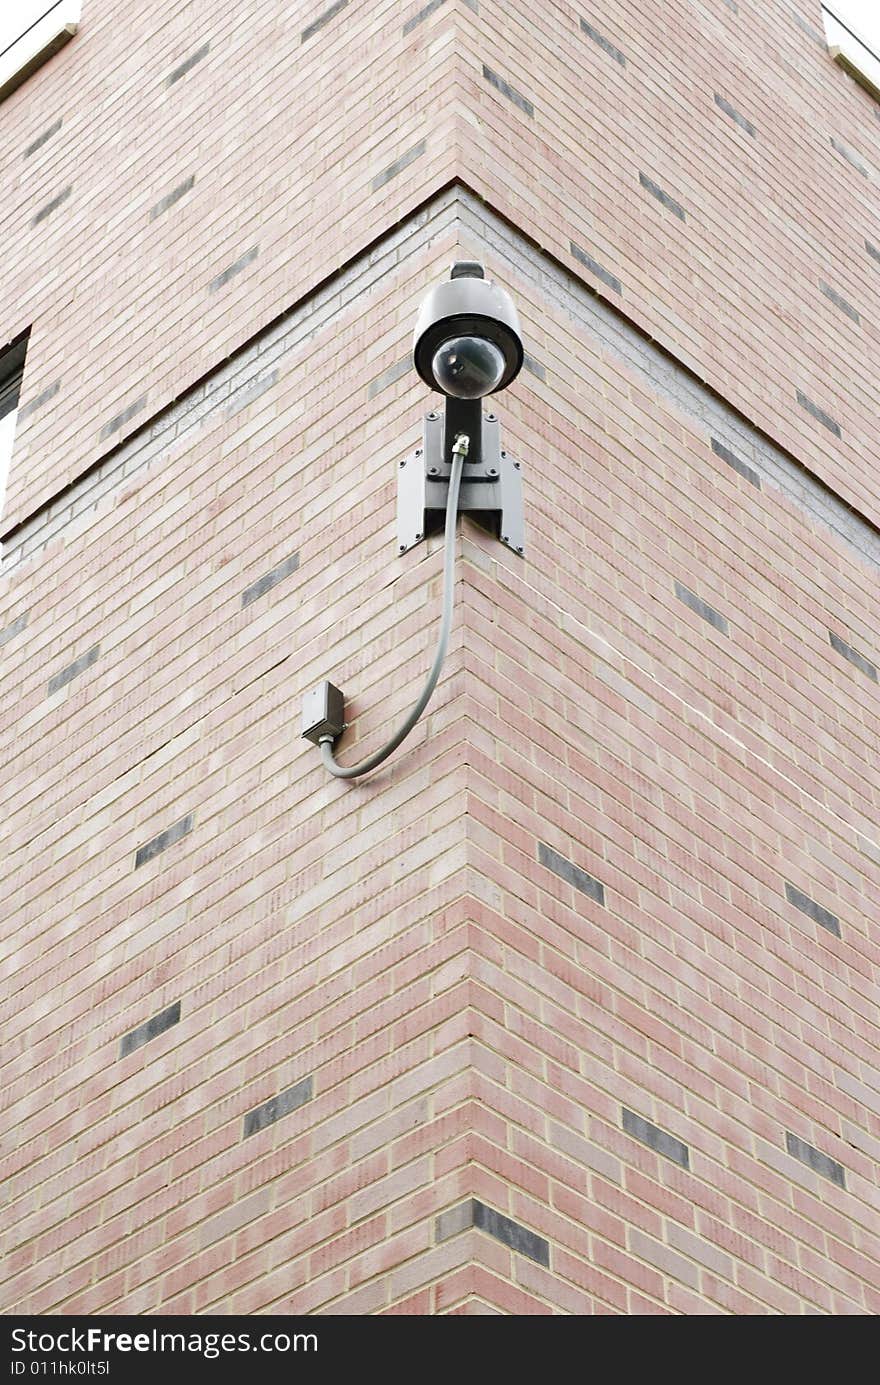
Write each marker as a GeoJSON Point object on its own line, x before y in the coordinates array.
{"type": "Point", "coordinates": [468, 367]}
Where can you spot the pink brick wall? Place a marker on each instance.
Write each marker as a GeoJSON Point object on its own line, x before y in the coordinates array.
{"type": "Point", "coordinates": [734, 290]}
{"type": "Point", "coordinates": [468, 1022]}
{"type": "Point", "coordinates": [283, 139]}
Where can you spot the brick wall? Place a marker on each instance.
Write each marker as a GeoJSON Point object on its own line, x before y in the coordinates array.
{"type": "Point", "coordinates": [284, 141]}
{"type": "Point", "coordinates": [570, 1008]}
{"type": "Point", "coordinates": [722, 174]}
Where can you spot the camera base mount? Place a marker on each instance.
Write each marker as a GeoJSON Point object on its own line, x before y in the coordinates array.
{"type": "Point", "coordinates": [491, 486]}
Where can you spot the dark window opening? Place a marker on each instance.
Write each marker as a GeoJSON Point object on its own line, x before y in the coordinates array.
{"type": "Point", "coordinates": [11, 372]}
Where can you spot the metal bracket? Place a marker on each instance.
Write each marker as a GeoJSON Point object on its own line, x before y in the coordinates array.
{"type": "Point", "coordinates": [491, 488]}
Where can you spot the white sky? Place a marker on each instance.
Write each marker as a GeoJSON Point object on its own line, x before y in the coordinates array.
{"type": "Point", "coordinates": [862, 16]}
{"type": "Point", "coordinates": [18, 15]}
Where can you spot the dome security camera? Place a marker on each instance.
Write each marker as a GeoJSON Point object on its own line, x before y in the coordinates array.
{"type": "Point", "coordinates": [466, 346]}
{"type": "Point", "coordinates": [467, 341]}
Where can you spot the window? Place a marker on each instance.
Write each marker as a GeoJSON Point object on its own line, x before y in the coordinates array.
{"type": "Point", "coordinates": [11, 371]}
{"type": "Point", "coordinates": [30, 32]}
{"type": "Point", "coordinates": [852, 28]}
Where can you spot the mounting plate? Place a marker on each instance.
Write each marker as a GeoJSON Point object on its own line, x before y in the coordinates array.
{"type": "Point", "coordinates": [491, 488]}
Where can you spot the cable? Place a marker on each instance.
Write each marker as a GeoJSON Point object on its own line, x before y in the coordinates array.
{"type": "Point", "coordinates": [459, 451]}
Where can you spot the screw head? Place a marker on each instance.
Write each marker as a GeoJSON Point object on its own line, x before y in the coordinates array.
{"type": "Point", "coordinates": [403, 463]}
{"type": "Point", "coordinates": [418, 452]}
{"type": "Point", "coordinates": [418, 536]}
{"type": "Point", "coordinates": [504, 454]}
{"type": "Point", "coordinates": [490, 418]}
{"type": "Point", "coordinates": [505, 538]}
{"type": "Point", "coordinates": [493, 471]}
{"type": "Point", "coordinates": [432, 471]}
{"type": "Point", "coordinates": [432, 414]}
{"type": "Point", "coordinates": [403, 548]}
{"type": "Point", "coordinates": [519, 548]}
{"type": "Point", "coordinates": [515, 465]}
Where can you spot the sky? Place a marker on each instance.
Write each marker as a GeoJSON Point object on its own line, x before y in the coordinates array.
{"type": "Point", "coordinates": [17, 15]}
{"type": "Point", "coordinates": [862, 16]}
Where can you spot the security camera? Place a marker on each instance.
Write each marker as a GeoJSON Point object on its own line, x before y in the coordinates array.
{"type": "Point", "coordinates": [467, 345]}
{"type": "Point", "coordinates": [467, 340]}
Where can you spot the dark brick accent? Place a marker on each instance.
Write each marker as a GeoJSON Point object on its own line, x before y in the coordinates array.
{"type": "Point", "coordinates": [422, 14]}
{"type": "Point", "coordinates": [656, 191]}
{"type": "Point", "coordinates": [151, 1029]}
{"type": "Point", "coordinates": [389, 377]}
{"type": "Point", "coordinates": [60, 680]}
{"type": "Point", "coordinates": [510, 92]}
{"type": "Point", "coordinates": [173, 196]}
{"type": "Point", "coordinates": [655, 1138]}
{"type": "Point", "coordinates": [812, 909]}
{"type": "Point", "coordinates": [571, 873]}
{"type": "Point", "coordinates": [810, 32]}
{"type": "Point", "coordinates": [50, 206]}
{"type": "Point", "coordinates": [853, 655]}
{"type": "Point", "coordinates": [596, 269]}
{"type": "Point", "coordinates": [119, 420]}
{"type": "Point", "coordinates": [167, 838]}
{"type": "Point", "coordinates": [235, 268]}
{"type": "Point", "coordinates": [850, 157]}
{"type": "Point", "coordinates": [14, 628]}
{"type": "Point", "coordinates": [701, 608]}
{"type": "Point", "coordinates": [38, 401]}
{"type": "Point", "coordinates": [825, 419]}
{"type": "Point", "coordinates": [188, 64]}
{"type": "Point", "coordinates": [322, 19]}
{"type": "Point", "coordinates": [736, 462]}
{"type": "Point", "coordinates": [839, 302]}
{"type": "Point", "coordinates": [251, 390]}
{"type": "Point", "coordinates": [473, 1213]}
{"type": "Point", "coordinates": [398, 166]}
{"type": "Point", "coordinates": [872, 251]}
{"type": "Point", "coordinates": [735, 116]}
{"type": "Point", "coordinates": [44, 137]}
{"type": "Point", "coordinates": [510, 1233]}
{"type": "Point", "coordinates": [603, 43]}
{"type": "Point", "coordinates": [277, 1106]}
{"type": "Point", "coordinates": [270, 579]}
{"type": "Point", "coordinates": [815, 1159]}
{"type": "Point", "coordinates": [534, 366]}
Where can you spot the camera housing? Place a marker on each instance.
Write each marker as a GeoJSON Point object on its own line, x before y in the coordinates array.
{"type": "Point", "coordinates": [478, 316]}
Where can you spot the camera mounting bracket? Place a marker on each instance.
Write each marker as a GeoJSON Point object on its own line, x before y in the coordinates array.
{"type": "Point", "coordinates": [491, 484]}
